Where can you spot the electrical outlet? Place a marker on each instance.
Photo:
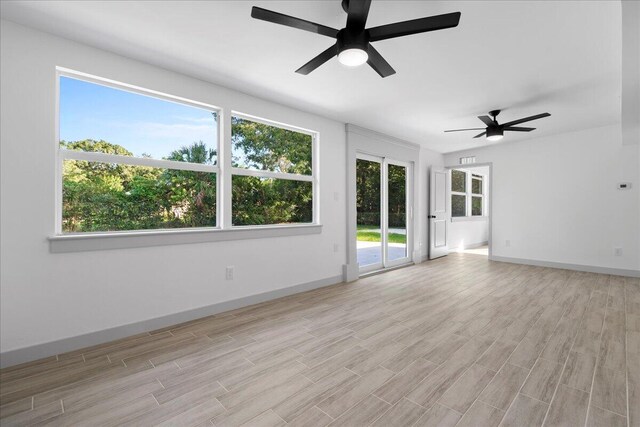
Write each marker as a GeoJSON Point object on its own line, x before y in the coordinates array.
{"type": "Point", "coordinates": [336, 196]}
{"type": "Point", "coordinates": [617, 251]}
{"type": "Point", "coordinates": [230, 272]}
{"type": "Point", "coordinates": [507, 243]}
{"type": "Point", "coordinates": [336, 248]}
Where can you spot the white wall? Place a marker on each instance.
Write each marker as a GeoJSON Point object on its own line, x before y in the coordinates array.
{"type": "Point", "coordinates": [468, 233]}
{"type": "Point", "coordinates": [47, 297]}
{"type": "Point", "coordinates": [555, 198]}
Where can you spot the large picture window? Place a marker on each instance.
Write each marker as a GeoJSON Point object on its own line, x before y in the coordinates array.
{"type": "Point", "coordinates": [132, 160]}
{"type": "Point", "coordinates": [272, 169]}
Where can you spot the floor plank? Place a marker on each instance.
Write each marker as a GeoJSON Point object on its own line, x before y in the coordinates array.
{"type": "Point", "coordinates": [455, 341]}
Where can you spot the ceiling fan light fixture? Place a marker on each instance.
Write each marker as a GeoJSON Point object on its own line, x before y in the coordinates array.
{"type": "Point", "coordinates": [353, 57]}
{"type": "Point", "coordinates": [494, 134]}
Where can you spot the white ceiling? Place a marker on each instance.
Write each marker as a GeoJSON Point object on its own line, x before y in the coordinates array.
{"type": "Point", "coordinates": [523, 57]}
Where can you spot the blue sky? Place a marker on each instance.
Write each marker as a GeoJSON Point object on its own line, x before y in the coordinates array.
{"type": "Point", "coordinates": [141, 124]}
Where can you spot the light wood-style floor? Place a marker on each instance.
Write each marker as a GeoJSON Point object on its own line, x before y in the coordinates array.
{"type": "Point", "coordinates": [457, 341]}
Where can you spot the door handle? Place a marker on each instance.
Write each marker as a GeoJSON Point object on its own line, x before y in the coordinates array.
{"type": "Point", "coordinates": [432, 216]}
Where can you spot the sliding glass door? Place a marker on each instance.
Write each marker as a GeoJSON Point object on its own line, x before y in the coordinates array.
{"type": "Point", "coordinates": [382, 200]}
{"type": "Point", "coordinates": [397, 250]}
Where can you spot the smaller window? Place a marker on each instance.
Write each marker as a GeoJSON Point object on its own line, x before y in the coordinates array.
{"type": "Point", "coordinates": [458, 181]}
{"type": "Point", "coordinates": [476, 184]}
{"type": "Point", "coordinates": [263, 147]}
{"type": "Point", "coordinates": [272, 174]}
{"type": "Point", "coordinates": [476, 206]}
{"type": "Point", "coordinates": [476, 195]}
{"type": "Point", "coordinates": [266, 201]}
{"type": "Point", "coordinates": [458, 205]}
{"type": "Point", "coordinates": [458, 193]}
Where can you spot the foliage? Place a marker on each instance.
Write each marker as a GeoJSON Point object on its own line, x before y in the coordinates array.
{"type": "Point", "coordinates": [101, 196]}
{"type": "Point", "coordinates": [109, 197]}
{"type": "Point", "coordinates": [368, 194]}
{"type": "Point", "coordinates": [271, 148]}
{"type": "Point", "coordinates": [458, 205]}
{"type": "Point", "coordinates": [458, 181]}
{"type": "Point", "coordinates": [260, 201]}
{"type": "Point", "coordinates": [372, 236]}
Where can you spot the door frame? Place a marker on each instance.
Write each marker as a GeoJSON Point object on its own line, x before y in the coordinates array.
{"type": "Point", "coordinates": [361, 140]}
{"type": "Point", "coordinates": [490, 186]}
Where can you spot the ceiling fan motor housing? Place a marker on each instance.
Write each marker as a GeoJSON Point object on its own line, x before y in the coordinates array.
{"type": "Point", "coordinates": [494, 131]}
{"type": "Point", "coordinates": [352, 40]}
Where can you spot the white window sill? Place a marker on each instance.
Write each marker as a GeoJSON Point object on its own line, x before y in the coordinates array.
{"type": "Point", "coordinates": [468, 218]}
{"type": "Point", "coordinates": [137, 239]}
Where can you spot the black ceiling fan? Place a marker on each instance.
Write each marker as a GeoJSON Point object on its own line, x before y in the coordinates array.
{"type": "Point", "coordinates": [495, 131]}
{"type": "Point", "coordinates": [353, 43]}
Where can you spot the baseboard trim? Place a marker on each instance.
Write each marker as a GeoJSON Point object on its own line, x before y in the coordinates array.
{"type": "Point", "coordinates": [52, 348]}
{"type": "Point", "coordinates": [565, 266]}
{"type": "Point", "coordinates": [471, 246]}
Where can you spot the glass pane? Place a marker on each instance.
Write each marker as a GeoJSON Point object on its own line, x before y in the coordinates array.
{"type": "Point", "coordinates": [476, 206]}
{"type": "Point", "coordinates": [397, 233]}
{"type": "Point", "coordinates": [108, 120]}
{"type": "Point", "coordinates": [369, 241]}
{"type": "Point", "coordinates": [262, 201]}
{"type": "Point", "coordinates": [476, 186]}
{"type": "Point", "coordinates": [458, 181]}
{"type": "Point", "coordinates": [458, 205]}
{"type": "Point", "coordinates": [110, 197]}
{"type": "Point", "coordinates": [265, 147]}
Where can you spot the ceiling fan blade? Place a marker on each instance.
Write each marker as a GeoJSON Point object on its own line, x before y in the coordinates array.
{"type": "Point", "coordinates": [415, 26]}
{"type": "Point", "coordinates": [291, 21]}
{"type": "Point", "coordinates": [357, 15]}
{"type": "Point", "coordinates": [526, 119]}
{"type": "Point", "coordinates": [462, 130]}
{"type": "Point", "coordinates": [318, 60]}
{"type": "Point", "coordinates": [378, 63]}
{"type": "Point", "coordinates": [518, 129]}
{"type": "Point", "coordinates": [486, 120]}
{"type": "Point", "coordinates": [480, 134]}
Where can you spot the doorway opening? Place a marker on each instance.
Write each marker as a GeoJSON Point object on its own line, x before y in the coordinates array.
{"type": "Point", "coordinates": [469, 197]}
{"type": "Point", "coordinates": [383, 235]}
{"type": "Point", "coordinates": [460, 210]}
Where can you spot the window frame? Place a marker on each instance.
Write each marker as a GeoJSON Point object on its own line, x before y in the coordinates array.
{"type": "Point", "coordinates": [71, 242]}
{"type": "Point", "coordinates": [90, 156]}
{"type": "Point", "coordinates": [459, 193]}
{"type": "Point", "coordinates": [313, 177]}
{"type": "Point", "coordinates": [469, 195]}
{"type": "Point", "coordinates": [480, 178]}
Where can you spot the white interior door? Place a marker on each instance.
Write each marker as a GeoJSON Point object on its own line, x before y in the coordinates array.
{"type": "Point", "coordinates": [438, 214]}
